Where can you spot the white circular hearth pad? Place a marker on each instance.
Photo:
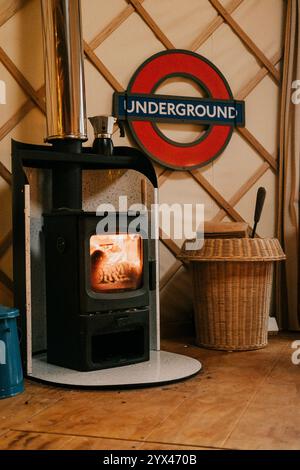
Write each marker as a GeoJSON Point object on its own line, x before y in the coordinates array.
{"type": "Point", "coordinates": [163, 367]}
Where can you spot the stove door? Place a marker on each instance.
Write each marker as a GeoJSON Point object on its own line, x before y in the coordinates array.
{"type": "Point", "coordinates": [114, 268]}
{"type": "Point", "coordinates": [116, 262]}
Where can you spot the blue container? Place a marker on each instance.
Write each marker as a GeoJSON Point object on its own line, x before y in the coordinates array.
{"type": "Point", "coordinates": [11, 375]}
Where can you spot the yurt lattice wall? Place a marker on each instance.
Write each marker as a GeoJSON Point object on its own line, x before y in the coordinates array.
{"type": "Point", "coordinates": [243, 38]}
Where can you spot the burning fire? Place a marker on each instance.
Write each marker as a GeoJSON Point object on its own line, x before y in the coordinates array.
{"type": "Point", "coordinates": [116, 262]}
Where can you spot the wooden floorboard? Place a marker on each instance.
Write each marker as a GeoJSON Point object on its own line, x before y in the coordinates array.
{"type": "Point", "coordinates": [239, 401]}
{"type": "Point", "coordinates": [18, 440]}
{"type": "Point", "coordinates": [22, 408]}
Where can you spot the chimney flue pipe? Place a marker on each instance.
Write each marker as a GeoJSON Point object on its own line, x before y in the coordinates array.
{"type": "Point", "coordinates": [64, 71]}
{"type": "Point", "coordinates": [65, 95]}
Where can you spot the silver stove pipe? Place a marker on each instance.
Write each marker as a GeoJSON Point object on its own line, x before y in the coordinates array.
{"type": "Point", "coordinates": [64, 70]}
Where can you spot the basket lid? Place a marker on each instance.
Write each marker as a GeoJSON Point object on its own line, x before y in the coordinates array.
{"type": "Point", "coordinates": [8, 312]}
{"type": "Point", "coordinates": [235, 249]}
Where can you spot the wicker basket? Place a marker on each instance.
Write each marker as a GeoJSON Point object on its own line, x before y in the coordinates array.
{"type": "Point", "coordinates": [232, 283]}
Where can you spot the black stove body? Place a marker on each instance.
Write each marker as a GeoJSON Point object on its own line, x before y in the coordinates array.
{"type": "Point", "coordinates": [98, 281]}
{"type": "Point", "coordinates": [97, 309]}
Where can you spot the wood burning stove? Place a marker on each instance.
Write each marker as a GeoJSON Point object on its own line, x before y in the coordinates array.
{"type": "Point", "coordinates": [101, 290]}
{"type": "Point", "coordinates": [100, 281]}
{"type": "Point", "coordinates": [97, 288]}
{"type": "Point", "coordinates": [97, 284]}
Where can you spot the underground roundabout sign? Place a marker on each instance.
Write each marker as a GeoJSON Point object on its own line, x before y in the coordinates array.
{"type": "Point", "coordinates": [142, 108]}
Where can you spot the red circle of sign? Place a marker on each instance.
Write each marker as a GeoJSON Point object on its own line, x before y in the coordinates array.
{"type": "Point", "coordinates": [196, 67]}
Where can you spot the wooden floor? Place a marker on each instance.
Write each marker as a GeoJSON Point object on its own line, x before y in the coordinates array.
{"type": "Point", "coordinates": [248, 400]}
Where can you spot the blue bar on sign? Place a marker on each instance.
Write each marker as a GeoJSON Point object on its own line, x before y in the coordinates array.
{"type": "Point", "coordinates": [181, 109]}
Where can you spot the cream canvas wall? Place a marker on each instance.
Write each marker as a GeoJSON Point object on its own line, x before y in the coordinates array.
{"type": "Point", "coordinates": [123, 46]}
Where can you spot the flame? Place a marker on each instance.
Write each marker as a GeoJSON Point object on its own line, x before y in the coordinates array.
{"type": "Point", "coordinates": [116, 262]}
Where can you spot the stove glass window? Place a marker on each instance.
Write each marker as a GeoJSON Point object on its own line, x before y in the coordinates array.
{"type": "Point", "coordinates": [116, 262]}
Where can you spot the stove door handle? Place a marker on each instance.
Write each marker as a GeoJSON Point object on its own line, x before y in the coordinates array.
{"type": "Point", "coordinates": [152, 274]}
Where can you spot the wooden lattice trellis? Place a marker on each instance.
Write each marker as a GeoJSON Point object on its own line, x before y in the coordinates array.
{"type": "Point", "coordinates": [36, 98]}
